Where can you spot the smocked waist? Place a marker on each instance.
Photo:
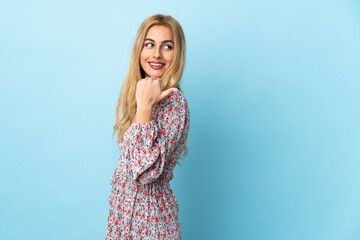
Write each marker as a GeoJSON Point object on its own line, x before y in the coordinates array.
{"type": "Point", "coordinates": [118, 178]}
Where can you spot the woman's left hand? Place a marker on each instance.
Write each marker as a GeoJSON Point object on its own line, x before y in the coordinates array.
{"type": "Point", "coordinates": [148, 92]}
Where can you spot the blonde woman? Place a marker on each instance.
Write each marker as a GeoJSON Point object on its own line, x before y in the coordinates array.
{"type": "Point", "coordinates": [152, 125]}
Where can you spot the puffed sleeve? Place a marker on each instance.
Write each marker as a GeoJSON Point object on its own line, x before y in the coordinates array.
{"type": "Point", "coordinates": [153, 143]}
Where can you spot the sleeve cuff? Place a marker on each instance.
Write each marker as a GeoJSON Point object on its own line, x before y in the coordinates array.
{"type": "Point", "coordinates": [147, 131]}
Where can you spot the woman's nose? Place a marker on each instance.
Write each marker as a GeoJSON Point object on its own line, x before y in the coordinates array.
{"type": "Point", "coordinates": [157, 53]}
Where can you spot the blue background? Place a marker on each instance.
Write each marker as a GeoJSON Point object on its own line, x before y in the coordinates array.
{"type": "Point", "coordinates": [273, 90]}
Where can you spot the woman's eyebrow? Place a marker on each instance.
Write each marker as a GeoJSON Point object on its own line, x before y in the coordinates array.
{"type": "Point", "coordinates": [163, 41]}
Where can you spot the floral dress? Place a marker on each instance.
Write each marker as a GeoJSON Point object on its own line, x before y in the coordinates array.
{"type": "Point", "coordinates": [142, 203]}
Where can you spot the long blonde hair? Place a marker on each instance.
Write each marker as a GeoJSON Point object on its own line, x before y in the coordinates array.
{"type": "Point", "coordinates": [126, 104]}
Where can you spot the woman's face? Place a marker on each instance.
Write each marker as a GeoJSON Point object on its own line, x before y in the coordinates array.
{"type": "Point", "coordinates": [158, 51]}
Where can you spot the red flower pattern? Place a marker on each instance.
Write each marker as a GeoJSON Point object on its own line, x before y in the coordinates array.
{"type": "Point", "coordinates": [142, 204]}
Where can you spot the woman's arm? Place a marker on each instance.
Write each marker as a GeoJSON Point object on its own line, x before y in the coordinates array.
{"type": "Point", "coordinates": [152, 143]}
{"type": "Point", "coordinates": [143, 114]}
{"type": "Point", "coordinates": [148, 93]}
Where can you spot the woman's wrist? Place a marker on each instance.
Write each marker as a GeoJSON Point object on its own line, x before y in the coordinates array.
{"type": "Point", "coordinates": [143, 114]}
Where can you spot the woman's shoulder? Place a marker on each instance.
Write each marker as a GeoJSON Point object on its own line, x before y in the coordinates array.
{"type": "Point", "coordinates": [175, 98]}
{"type": "Point", "coordinates": [173, 106]}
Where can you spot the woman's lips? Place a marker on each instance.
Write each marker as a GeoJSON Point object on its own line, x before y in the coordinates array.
{"type": "Point", "coordinates": [156, 66]}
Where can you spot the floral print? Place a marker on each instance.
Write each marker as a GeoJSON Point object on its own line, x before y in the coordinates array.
{"type": "Point", "coordinates": [142, 204]}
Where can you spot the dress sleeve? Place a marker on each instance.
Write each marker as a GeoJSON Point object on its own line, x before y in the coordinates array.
{"type": "Point", "coordinates": [152, 143]}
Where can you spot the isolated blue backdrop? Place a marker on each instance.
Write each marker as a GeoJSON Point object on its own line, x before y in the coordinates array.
{"type": "Point", "coordinates": [273, 90]}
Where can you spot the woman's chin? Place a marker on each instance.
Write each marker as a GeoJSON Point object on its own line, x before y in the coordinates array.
{"type": "Point", "coordinates": [157, 75]}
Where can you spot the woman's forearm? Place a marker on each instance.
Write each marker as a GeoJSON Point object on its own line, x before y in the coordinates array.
{"type": "Point", "coordinates": [143, 114]}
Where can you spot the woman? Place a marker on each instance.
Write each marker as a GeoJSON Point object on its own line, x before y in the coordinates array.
{"type": "Point", "coordinates": [152, 125]}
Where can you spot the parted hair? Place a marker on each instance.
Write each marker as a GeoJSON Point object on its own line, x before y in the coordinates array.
{"type": "Point", "coordinates": [126, 104]}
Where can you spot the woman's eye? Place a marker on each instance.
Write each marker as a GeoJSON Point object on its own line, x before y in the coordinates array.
{"type": "Point", "coordinates": [168, 47]}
